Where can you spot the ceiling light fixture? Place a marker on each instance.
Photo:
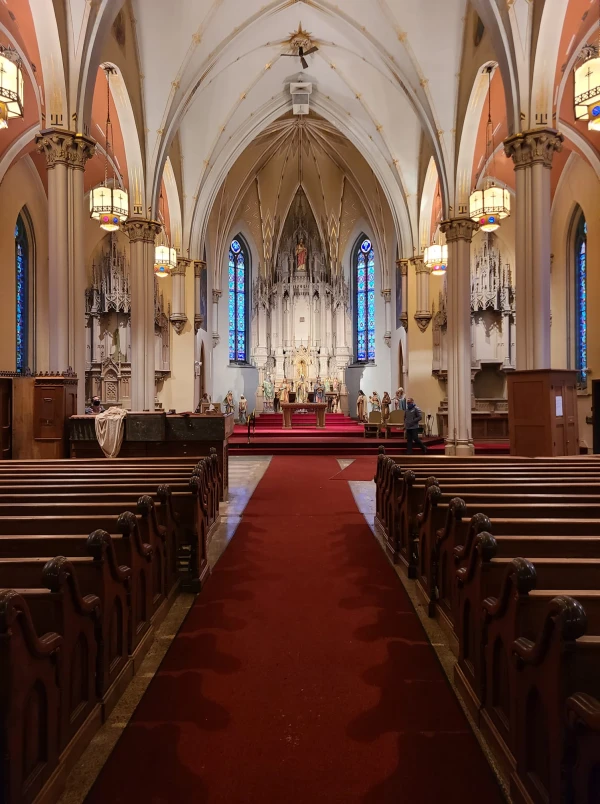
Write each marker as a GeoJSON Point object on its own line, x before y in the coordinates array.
{"type": "Point", "coordinates": [109, 204]}
{"type": "Point", "coordinates": [11, 86]}
{"type": "Point", "coordinates": [165, 257]}
{"type": "Point", "coordinates": [491, 204]}
{"type": "Point", "coordinates": [587, 85]}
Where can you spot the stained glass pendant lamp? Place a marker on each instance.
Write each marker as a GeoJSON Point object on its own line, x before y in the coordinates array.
{"type": "Point", "coordinates": [587, 86]}
{"type": "Point", "coordinates": [11, 86]}
{"type": "Point", "coordinates": [109, 204]}
{"type": "Point", "coordinates": [436, 258]}
{"type": "Point", "coordinates": [491, 204]}
{"type": "Point", "coordinates": [165, 257]}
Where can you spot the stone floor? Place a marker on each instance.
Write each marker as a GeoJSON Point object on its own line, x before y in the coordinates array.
{"type": "Point", "coordinates": [244, 475]}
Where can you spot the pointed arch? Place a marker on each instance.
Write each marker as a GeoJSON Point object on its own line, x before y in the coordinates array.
{"type": "Point", "coordinates": [237, 301]}
{"type": "Point", "coordinates": [363, 274]}
{"type": "Point", "coordinates": [24, 291]}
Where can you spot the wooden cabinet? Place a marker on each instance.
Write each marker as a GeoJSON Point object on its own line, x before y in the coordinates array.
{"type": "Point", "coordinates": [42, 407]}
{"type": "Point", "coordinates": [542, 412]}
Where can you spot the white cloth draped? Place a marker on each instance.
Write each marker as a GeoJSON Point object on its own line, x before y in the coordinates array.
{"type": "Point", "coordinates": [110, 428]}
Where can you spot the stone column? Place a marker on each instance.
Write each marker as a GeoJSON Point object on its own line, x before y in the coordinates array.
{"type": "Point", "coordinates": [459, 232]}
{"type": "Point", "coordinates": [532, 153]}
{"type": "Point", "coordinates": [216, 295]}
{"type": "Point", "coordinates": [199, 266]}
{"type": "Point", "coordinates": [178, 317]}
{"type": "Point", "coordinates": [403, 264]}
{"type": "Point", "coordinates": [142, 234]}
{"type": "Point", "coordinates": [423, 312]}
{"type": "Point", "coordinates": [387, 298]}
{"type": "Point", "coordinates": [66, 156]}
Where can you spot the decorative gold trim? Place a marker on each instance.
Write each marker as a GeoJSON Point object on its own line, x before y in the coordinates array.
{"type": "Point", "coordinates": [62, 147]}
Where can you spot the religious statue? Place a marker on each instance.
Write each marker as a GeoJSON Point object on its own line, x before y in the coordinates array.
{"type": "Point", "coordinates": [301, 256]}
{"type": "Point", "coordinates": [400, 400]}
{"type": "Point", "coordinates": [327, 385]}
{"type": "Point", "coordinates": [361, 407]}
{"type": "Point", "coordinates": [243, 409]}
{"type": "Point", "coordinates": [375, 402]}
{"type": "Point", "coordinates": [319, 391]}
{"type": "Point", "coordinates": [283, 393]}
{"type": "Point", "coordinates": [301, 390]}
{"type": "Point", "coordinates": [229, 403]}
{"type": "Point", "coordinates": [269, 393]}
{"type": "Point", "coordinates": [385, 406]}
{"type": "Point", "coordinates": [336, 385]}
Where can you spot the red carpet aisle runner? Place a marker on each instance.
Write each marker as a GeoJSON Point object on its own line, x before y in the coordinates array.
{"type": "Point", "coordinates": [301, 675]}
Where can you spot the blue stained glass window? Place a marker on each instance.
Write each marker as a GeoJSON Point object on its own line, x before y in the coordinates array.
{"type": "Point", "coordinates": [238, 276]}
{"type": "Point", "coordinates": [22, 295]}
{"type": "Point", "coordinates": [581, 302]}
{"type": "Point", "coordinates": [365, 301]}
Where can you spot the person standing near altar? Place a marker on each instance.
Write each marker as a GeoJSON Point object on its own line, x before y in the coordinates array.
{"type": "Point", "coordinates": [243, 409]}
{"type": "Point", "coordinates": [375, 402]}
{"type": "Point", "coordinates": [277, 400]}
{"type": "Point", "coordinates": [400, 400]}
{"type": "Point", "coordinates": [361, 407]}
{"type": "Point", "coordinates": [385, 406]}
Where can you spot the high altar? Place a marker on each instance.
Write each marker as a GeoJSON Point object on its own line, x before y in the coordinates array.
{"type": "Point", "coordinates": [302, 325]}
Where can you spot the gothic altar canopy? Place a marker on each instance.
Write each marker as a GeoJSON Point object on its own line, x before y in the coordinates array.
{"type": "Point", "coordinates": [301, 319]}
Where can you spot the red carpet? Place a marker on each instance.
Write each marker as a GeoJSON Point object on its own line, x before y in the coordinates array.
{"type": "Point", "coordinates": [301, 675]}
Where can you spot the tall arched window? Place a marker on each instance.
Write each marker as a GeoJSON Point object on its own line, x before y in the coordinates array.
{"type": "Point", "coordinates": [239, 268]}
{"type": "Point", "coordinates": [22, 294]}
{"type": "Point", "coordinates": [581, 302]}
{"type": "Point", "coordinates": [364, 277]}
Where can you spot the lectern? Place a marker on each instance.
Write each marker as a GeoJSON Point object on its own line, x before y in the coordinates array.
{"type": "Point", "coordinates": [542, 412]}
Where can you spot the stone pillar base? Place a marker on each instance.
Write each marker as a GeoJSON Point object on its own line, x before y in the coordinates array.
{"type": "Point", "coordinates": [459, 448]}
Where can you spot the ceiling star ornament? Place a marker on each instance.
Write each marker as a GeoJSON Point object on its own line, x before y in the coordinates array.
{"type": "Point", "coordinates": [301, 44]}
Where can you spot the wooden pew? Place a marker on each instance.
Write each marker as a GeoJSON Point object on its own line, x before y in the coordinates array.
{"type": "Point", "coordinates": [583, 748]}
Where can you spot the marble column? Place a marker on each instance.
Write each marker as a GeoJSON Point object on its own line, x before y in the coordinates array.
{"type": "Point", "coordinates": [387, 298]}
{"type": "Point", "coordinates": [199, 266]}
{"type": "Point", "coordinates": [532, 153]}
{"type": "Point", "coordinates": [66, 155]}
{"type": "Point", "coordinates": [459, 232]}
{"type": "Point", "coordinates": [403, 265]}
{"type": "Point", "coordinates": [142, 234]}
{"type": "Point", "coordinates": [178, 317]}
{"type": "Point", "coordinates": [422, 274]}
{"type": "Point", "coordinates": [216, 295]}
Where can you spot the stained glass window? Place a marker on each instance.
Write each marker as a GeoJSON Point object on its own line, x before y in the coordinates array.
{"type": "Point", "coordinates": [581, 302]}
{"type": "Point", "coordinates": [365, 301]}
{"type": "Point", "coordinates": [238, 277]}
{"type": "Point", "coordinates": [22, 294]}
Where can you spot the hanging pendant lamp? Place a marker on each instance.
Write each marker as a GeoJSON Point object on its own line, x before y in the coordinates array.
{"type": "Point", "coordinates": [109, 204]}
{"type": "Point", "coordinates": [491, 204]}
{"type": "Point", "coordinates": [11, 86]}
{"type": "Point", "coordinates": [165, 257]}
{"type": "Point", "coordinates": [587, 85]}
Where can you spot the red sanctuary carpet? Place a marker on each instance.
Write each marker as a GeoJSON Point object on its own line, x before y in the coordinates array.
{"type": "Point", "coordinates": [301, 674]}
{"type": "Point", "coordinates": [342, 436]}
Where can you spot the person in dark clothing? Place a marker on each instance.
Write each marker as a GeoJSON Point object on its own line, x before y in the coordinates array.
{"type": "Point", "coordinates": [412, 417]}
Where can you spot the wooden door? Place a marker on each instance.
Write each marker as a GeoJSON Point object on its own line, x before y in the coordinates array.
{"type": "Point", "coordinates": [5, 419]}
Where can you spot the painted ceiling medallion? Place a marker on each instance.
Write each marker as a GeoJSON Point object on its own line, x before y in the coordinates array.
{"type": "Point", "coordinates": [300, 38]}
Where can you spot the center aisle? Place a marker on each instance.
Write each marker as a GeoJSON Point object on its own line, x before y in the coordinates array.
{"type": "Point", "coordinates": [301, 675]}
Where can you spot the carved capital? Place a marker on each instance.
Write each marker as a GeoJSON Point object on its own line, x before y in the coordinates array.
{"type": "Point", "coordinates": [423, 320]}
{"type": "Point", "coordinates": [388, 338]}
{"type": "Point", "coordinates": [459, 229]}
{"type": "Point", "coordinates": [403, 265]}
{"type": "Point", "coordinates": [216, 294]}
{"type": "Point", "coordinates": [199, 266]}
{"type": "Point", "coordinates": [387, 294]}
{"type": "Point", "coordinates": [533, 147]}
{"type": "Point", "coordinates": [419, 266]}
{"type": "Point", "coordinates": [179, 320]}
{"type": "Point", "coordinates": [198, 321]}
{"type": "Point", "coordinates": [404, 320]}
{"type": "Point", "coordinates": [216, 338]}
{"type": "Point", "coordinates": [61, 147]}
{"type": "Point", "coordinates": [181, 267]}
{"type": "Point", "coordinates": [141, 230]}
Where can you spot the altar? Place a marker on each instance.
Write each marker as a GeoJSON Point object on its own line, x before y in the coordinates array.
{"type": "Point", "coordinates": [289, 407]}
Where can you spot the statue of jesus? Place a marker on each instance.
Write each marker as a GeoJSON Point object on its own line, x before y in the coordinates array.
{"type": "Point", "coordinates": [301, 256]}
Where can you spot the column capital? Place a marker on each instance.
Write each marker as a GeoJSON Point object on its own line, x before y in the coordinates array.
{"type": "Point", "coordinates": [141, 230]}
{"type": "Point", "coordinates": [199, 266]}
{"type": "Point", "coordinates": [179, 320]}
{"type": "Point", "coordinates": [182, 265]}
{"type": "Point", "coordinates": [535, 147]}
{"type": "Point", "coordinates": [387, 294]}
{"type": "Point", "coordinates": [458, 229]}
{"type": "Point", "coordinates": [419, 265]}
{"type": "Point", "coordinates": [402, 263]}
{"type": "Point", "coordinates": [62, 147]}
{"type": "Point", "coordinates": [216, 294]}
